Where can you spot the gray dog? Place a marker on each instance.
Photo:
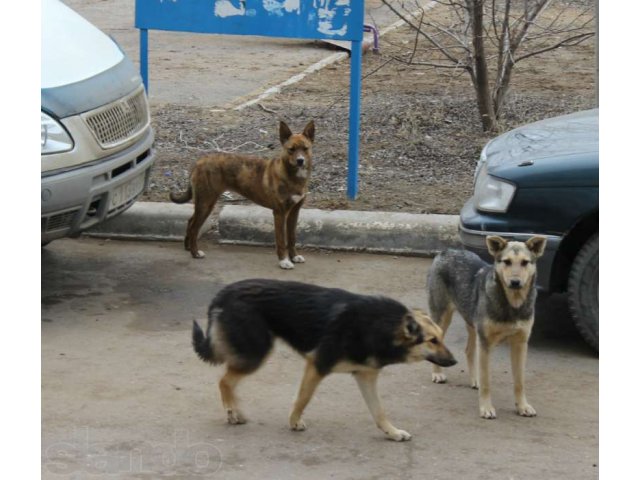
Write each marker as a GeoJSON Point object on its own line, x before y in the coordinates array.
{"type": "Point", "coordinates": [497, 303]}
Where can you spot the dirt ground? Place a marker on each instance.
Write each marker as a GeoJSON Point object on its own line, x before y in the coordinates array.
{"type": "Point", "coordinates": [420, 130]}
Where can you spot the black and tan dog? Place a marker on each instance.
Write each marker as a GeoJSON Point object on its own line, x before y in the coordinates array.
{"type": "Point", "coordinates": [279, 184]}
{"type": "Point", "coordinates": [334, 330]}
{"type": "Point", "coordinates": [497, 303]}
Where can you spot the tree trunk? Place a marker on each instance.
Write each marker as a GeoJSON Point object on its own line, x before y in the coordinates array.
{"type": "Point", "coordinates": [502, 86]}
{"type": "Point", "coordinates": [482, 84]}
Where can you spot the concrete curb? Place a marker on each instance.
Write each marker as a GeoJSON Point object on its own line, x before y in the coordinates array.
{"type": "Point", "coordinates": [384, 232]}
{"type": "Point", "coordinates": [399, 233]}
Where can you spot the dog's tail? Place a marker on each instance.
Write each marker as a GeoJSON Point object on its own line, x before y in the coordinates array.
{"type": "Point", "coordinates": [182, 197]}
{"type": "Point", "coordinates": [201, 344]}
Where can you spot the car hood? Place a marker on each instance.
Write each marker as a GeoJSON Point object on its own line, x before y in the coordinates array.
{"type": "Point", "coordinates": [72, 49]}
{"type": "Point", "coordinates": [560, 150]}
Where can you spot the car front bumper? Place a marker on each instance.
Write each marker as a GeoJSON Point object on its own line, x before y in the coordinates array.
{"type": "Point", "coordinates": [475, 226]}
{"type": "Point", "coordinates": [76, 199]}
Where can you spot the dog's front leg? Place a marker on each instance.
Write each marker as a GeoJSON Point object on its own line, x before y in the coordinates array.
{"type": "Point", "coordinates": [279, 221]}
{"type": "Point", "coordinates": [444, 320]}
{"type": "Point", "coordinates": [310, 381]}
{"type": "Point", "coordinates": [486, 407]}
{"type": "Point", "coordinates": [519, 349]}
{"type": "Point", "coordinates": [292, 223]}
{"type": "Point", "coordinates": [367, 381]}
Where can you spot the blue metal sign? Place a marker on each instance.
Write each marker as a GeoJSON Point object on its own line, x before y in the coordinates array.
{"type": "Point", "coordinates": [321, 19]}
{"type": "Point", "coordinates": [313, 19]}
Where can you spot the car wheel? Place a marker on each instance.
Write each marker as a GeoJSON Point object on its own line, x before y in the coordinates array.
{"type": "Point", "coordinates": [583, 291]}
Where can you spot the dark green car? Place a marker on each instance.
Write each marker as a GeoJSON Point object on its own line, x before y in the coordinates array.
{"type": "Point", "coordinates": [542, 179]}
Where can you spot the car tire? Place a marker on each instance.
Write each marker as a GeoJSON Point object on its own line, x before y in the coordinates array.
{"type": "Point", "coordinates": [583, 291]}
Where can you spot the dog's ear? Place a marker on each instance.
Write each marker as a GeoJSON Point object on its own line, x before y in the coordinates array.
{"type": "Point", "coordinates": [496, 244]}
{"type": "Point", "coordinates": [310, 131]}
{"type": "Point", "coordinates": [285, 132]}
{"type": "Point", "coordinates": [536, 245]}
{"type": "Point", "coordinates": [411, 329]}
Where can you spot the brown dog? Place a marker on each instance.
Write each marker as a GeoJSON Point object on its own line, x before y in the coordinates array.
{"type": "Point", "coordinates": [279, 184]}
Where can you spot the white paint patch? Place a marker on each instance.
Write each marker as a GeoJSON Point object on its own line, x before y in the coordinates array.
{"type": "Point", "coordinates": [225, 8]}
{"type": "Point", "coordinates": [325, 24]}
{"type": "Point", "coordinates": [292, 5]}
{"type": "Point", "coordinates": [278, 7]}
{"type": "Point", "coordinates": [328, 16]}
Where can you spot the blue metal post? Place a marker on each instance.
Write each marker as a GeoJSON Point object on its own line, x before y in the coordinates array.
{"type": "Point", "coordinates": [354, 119]}
{"type": "Point", "coordinates": [144, 57]}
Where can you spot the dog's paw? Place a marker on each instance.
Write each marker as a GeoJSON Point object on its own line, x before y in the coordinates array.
{"type": "Point", "coordinates": [488, 412]}
{"type": "Point", "coordinates": [198, 254]}
{"type": "Point", "coordinates": [526, 410]}
{"type": "Point", "coordinates": [474, 384]}
{"type": "Point", "coordinates": [286, 264]}
{"type": "Point", "coordinates": [398, 435]}
{"type": "Point", "coordinates": [297, 425]}
{"type": "Point", "coordinates": [234, 417]}
{"type": "Point", "coordinates": [438, 377]}
{"type": "Point", "coordinates": [298, 259]}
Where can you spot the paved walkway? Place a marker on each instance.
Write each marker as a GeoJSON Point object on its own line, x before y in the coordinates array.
{"type": "Point", "coordinates": [214, 70]}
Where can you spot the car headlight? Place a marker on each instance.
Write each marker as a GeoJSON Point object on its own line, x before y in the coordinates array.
{"type": "Point", "coordinates": [53, 137]}
{"type": "Point", "coordinates": [492, 194]}
{"type": "Point", "coordinates": [481, 163]}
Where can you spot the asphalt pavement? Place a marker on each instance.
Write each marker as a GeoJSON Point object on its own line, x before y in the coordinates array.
{"type": "Point", "coordinates": [125, 397]}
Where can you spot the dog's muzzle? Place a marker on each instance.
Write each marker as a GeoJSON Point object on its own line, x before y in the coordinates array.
{"type": "Point", "coordinates": [515, 284]}
{"type": "Point", "coordinates": [300, 161]}
{"type": "Point", "coordinates": [442, 360]}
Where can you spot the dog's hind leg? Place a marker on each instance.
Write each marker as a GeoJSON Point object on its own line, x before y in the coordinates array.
{"type": "Point", "coordinates": [202, 210]}
{"type": "Point", "coordinates": [519, 349]}
{"type": "Point", "coordinates": [227, 390]}
{"type": "Point", "coordinates": [443, 320]}
{"type": "Point", "coordinates": [310, 381]}
{"type": "Point", "coordinates": [368, 384]}
{"type": "Point", "coordinates": [470, 350]}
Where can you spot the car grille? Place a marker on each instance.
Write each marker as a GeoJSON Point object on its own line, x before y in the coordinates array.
{"type": "Point", "coordinates": [117, 122]}
{"type": "Point", "coordinates": [58, 221]}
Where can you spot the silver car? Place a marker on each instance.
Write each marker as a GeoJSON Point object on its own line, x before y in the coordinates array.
{"type": "Point", "coordinates": [96, 135]}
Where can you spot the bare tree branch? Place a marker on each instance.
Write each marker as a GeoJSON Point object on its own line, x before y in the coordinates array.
{"type": "Point", "coordinates": [487, 38]}
{"type": "Point", "coordinates": [415, 42]}
{"type": "Point", "coordinates": [567, 42]}
{"type": "Point", "coordinates": [428, 37]}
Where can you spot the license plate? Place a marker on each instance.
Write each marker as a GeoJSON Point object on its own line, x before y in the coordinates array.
{"type": "Point", "coordinates": [126, 192]}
